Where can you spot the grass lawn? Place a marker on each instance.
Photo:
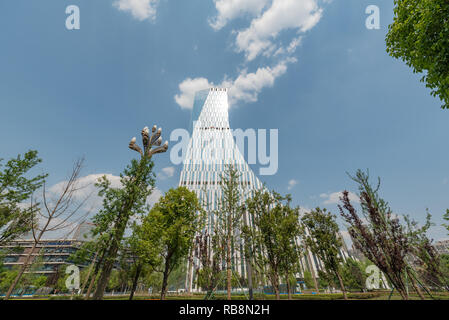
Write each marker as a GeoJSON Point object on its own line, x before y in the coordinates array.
{"type": "Point", "coordinates": [379, 295]}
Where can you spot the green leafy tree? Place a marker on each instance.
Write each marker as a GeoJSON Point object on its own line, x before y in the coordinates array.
{"type": "Point", "coordinates": [143, 251]}
{"type": "Point", "coordinates": [229, 215]}
{"type": "Point", "coordinates": [325, 281]}
{"type": "Point", "coordinates": [54, 215]}
{"type": "Point", "coordinates": [7, 278]}
{"type": "Point", "coordinates": [39, 281]}
{"type": "Point", "coordinates": [290, 230]}
{"type": "Point", "coordinates": [119, 205]}
{"type": "Point", "coordinates": [321, 234]}
{"type": "Point", "coordinates": [308, 279]}
{"type": "Point", "coordinates": [353, 274]}
{"type": "Point", "coordinates": [123, 203]}
{"type": "Point", "coordinates": [446, 217]}
{"type": "Point", "coordinates": [171, 226]}
{"type": "Point", "coordinates": [424, 256]}
{"type": "Point", "coordinates": [419, 35]}
{"type": "Point", "coordinates": [275, 227]}
{"type": "Point", "coordinates": [444, 259]}
{"type": "Point", "coordinates": [210, 253]}
{"type": "Point", "coordinates": [16, 188]}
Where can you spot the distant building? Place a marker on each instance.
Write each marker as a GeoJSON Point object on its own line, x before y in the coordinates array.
{"type": "Point", "coordinates": [442, 246]}
{"type": "Point", "coordinates": [53, 252]}
{"type": "Point", "coordinates": [356, 253]}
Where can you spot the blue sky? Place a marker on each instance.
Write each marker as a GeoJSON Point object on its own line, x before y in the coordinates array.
{"type": "Point", "coordinates": [314, 71]}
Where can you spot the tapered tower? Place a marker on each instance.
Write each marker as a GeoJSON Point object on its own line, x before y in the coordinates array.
{"type": "Point", "coordinates": [211, 149]}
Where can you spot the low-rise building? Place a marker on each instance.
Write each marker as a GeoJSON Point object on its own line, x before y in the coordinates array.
{"type": "Point", "coordinates": [52, 253]}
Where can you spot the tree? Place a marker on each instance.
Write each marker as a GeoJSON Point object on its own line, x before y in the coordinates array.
{"type": "Point", "coordinates": [209, 251]}
{"type": "Point", "coordinates": [378, 233]}
{"type": "Point", "coordinates": [419, 35]}
{"type": "Point", "coordinates": [275, 227]}
{"type": "Point", "coordinates": [171, 226]}
{"type": "Point", "coordinates": [7, 277]}
{"type": "Point", "coordinates": [15, 189]}
{"type": "Point", "coordinates": [57, 214]}
{"type": "Point", "coordinates": [289, 228]}
{"type": "Point", "coordinates": [143, 250]}
{"type": "Point", "coordinates": [308, 281]}
{"type": "Point", "coordinates": [121, 204]}
{"type": "Point", "coordinates": [446, 217]}
{"type": "Point", "coordinates": [354, 276]}
{"type": "Point", "coordinates": [229, 215]}
{"type": "Point", "coordinates": [424, 256]}
{"type": "Point", "coordinates": [321, 235]}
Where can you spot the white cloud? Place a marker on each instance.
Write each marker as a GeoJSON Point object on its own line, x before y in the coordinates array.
{"type": "Point", "coordinates": [167, 172]}
{"type": "Point", "coordinates": [86, 189]}
{"type": "Point", "coordinates": [140, 9]}
{"type": "Point", "coordinates": [334, 198]}
{"type": "Point", "coordinates": [269, 19]}
{"type": "Point", "coordinates": [299, 15]}
{"type": "Point", "coordinates": [245, 88]}
{"type": "Point", "coordinates": [231, 9]}
{"type": "Point", "coordinates": [188, 88]}
{"type": "Point", "coordinates": [292, 183]}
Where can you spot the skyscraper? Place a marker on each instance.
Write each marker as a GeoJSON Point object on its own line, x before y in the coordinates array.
{"type": "Point", "coordinates": [211, 149]}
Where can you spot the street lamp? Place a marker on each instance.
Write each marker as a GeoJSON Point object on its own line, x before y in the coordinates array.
{"type": "Point", "coordinates": [149, 141]}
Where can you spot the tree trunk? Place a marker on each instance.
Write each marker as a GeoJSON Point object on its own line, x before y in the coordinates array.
{"type": "Point", "coordinates": [275, 284]}
{"type": "Point", "coordinates": [165, 281]}
{"type": "Point", "coordinates": [249, 267]}
{"type": "Point", "coordinates": [189, 271]}
{"type": "Point", "coordinates": [312, 271]}
{"type": "Point", "coordinates": [289, 291]}
{"type": "Point", "coordinates": [110, 256]}
{"type": "Point", "coordinates": [106, 272]}
{"type": "Point", "coordinates": [89, 272]}
{"type": "Point", "coordinates": [228, 257]}
{"type": "Point", "coordinates": [94, 276]}
{"type": "Point", "coordinates": [418, 291]}
{"type": "Point", "coordinates": [91, 285]}
{"type": "Point", "coordinates": [276, 292]}
{"type": "Point", "coordinates": [400, 287]}
{"type": "Point", "coordinates": [136, 279]}
{"type": "Point", "coordinates": [342, 286]}
{"type": "Point", "coordinates": [22, 269]}
{"type": "Point", "coordinates": [403, 294]}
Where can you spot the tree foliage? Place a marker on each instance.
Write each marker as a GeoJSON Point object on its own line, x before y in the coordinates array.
{"type": "Point", "coordinates": [377, 233]}
{"type": "Point", "coordinates": [170, 228]}
{"type": "Point", "coordinates": [16, 188]}
{"type": "Point", "coordinates": [229, 215]}
{"type": "Point", "coordinates": [119, 205]}
{"type": "Point", "coordinates": [424, 256]}
{"type": "Point", "coordinates": [321, 235]}
{"type": "Point", "coordinates": [419, 35]}
{"type": "Point", "coordinates": [273, 233]}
